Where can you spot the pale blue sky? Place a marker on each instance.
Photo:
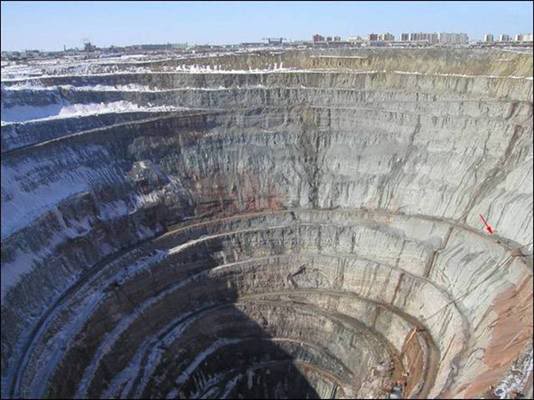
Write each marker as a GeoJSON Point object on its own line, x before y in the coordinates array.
{"type": "Point", "coordinates": [50, 25]}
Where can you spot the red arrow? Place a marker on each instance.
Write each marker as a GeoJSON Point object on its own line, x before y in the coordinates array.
{"type": "Point", "coordinates": [488, 227]}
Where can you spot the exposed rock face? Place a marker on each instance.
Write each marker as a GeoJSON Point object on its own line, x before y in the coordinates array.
{"type": "Point", "coordinates": [308, 230]}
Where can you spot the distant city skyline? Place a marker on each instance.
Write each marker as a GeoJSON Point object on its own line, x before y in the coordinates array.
{"type": "Point", "coordinates": [52, 25]}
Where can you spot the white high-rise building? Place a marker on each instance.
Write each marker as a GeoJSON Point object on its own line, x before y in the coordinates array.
{"type": "Point", "coordinates": [488, 38]}
{"type": "Point", "coordinates": [453, 38]}
{"type": "Point", "coordinates": [504, 38]}
{"type": "Point", "coordinates": [523, 37]}
{"type": "Point", "coordinates": [421, 37]}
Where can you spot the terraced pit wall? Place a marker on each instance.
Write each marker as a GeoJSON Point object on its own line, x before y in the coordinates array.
{"type": "Point", "coordinates": [271, 233]}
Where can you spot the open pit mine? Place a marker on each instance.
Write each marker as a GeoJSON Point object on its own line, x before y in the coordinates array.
{"type": "Point", "coordinates": [268, 224]}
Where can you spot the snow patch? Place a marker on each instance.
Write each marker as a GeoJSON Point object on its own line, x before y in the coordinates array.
{"type": "Point", "coordinates": [131, 87]}
{"type": "Point", "coordinates": [202, 356]}
{"type": "Point", "coordinates": [66, 110]}
{"type": "Point", "coordinates": [28, 113]}
{"type": "Point", "coordinates": [20, 207]}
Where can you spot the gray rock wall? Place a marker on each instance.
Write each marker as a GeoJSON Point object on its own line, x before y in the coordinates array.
{"type": "Point", "coordinates": [352, 202]}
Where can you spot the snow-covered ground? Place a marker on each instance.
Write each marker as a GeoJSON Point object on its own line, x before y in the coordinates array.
{"type": "Point", "coordinates": [67, 110]}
